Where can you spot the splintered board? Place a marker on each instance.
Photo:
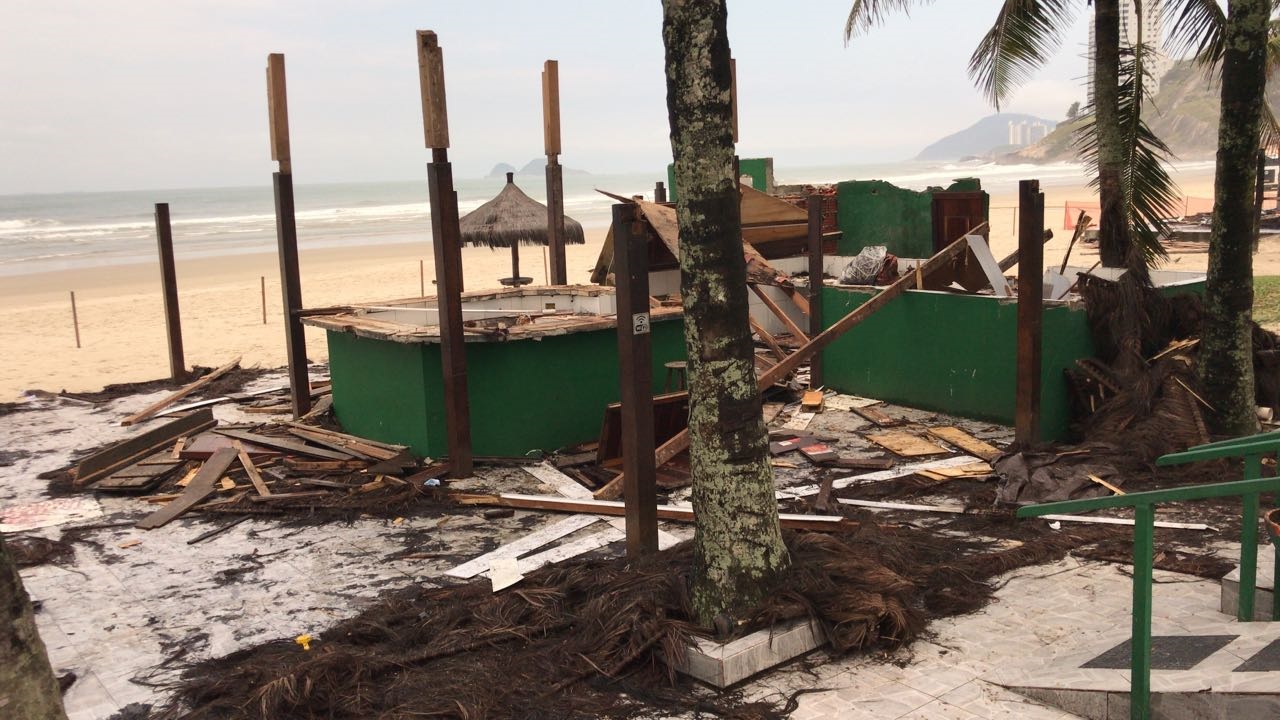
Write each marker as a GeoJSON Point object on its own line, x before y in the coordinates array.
{"type": "Point", "coordinates": [966, 442]}
{"type": "Point", "coordinates": [906, 443]}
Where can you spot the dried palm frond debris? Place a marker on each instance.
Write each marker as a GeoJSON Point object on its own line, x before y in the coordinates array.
{"type": "Point", "coordinates": [594, 638]}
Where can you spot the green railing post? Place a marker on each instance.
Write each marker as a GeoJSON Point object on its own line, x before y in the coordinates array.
{"type": "Point", "coordinates": [1248, 557]}
{"type": "Point", "coordinates": [1143, 558]}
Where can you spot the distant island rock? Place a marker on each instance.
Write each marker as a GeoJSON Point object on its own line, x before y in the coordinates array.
{"type": "Point", "coordinates": [536, 166]}
{"type": "Point", "coordinates": [992, 135]}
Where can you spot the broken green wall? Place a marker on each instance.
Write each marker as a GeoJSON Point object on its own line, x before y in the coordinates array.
{"type": "Point", "coordinates": [760, 170]}
{"type": "Point", "coordinates": [875, 212]}
{"type": "Point", "coordinates": [524, 394]}
{"type": "Point", "coordinates": [951, 353]}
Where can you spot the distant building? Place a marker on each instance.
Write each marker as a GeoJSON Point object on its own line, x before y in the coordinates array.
{"type": "Point", "coordinates": [1157, 61]}
{"type": "Point", "coordinates": [1026, 132]}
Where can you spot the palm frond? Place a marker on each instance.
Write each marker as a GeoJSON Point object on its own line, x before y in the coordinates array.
{"type": "Point", "coordinates": [1273, 46]}
{"type": "Point", "coordinates": [1150, 197]}
{"type": "Point", "coordinates": [1025, 35]}
{"type": "Point", "coordinates": [866, 14]}
{"type": "Point", "coordinates": [1196, 27]}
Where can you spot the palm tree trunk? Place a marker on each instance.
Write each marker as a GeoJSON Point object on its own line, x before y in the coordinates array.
{"type": "Point", "coordinates": [1226, 343]}
{"type": "Point", "coordinates": [1113, 230]}
{"type": "Point", "coordinates": [28, 689]}
{"type": "Point", "coordinates": [738, 546]}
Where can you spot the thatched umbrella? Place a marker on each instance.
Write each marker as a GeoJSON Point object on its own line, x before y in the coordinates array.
{"type": "Point", "coordinates": [512, 219]}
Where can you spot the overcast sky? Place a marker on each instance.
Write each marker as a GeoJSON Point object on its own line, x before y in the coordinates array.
{"type": "Point", "coordinates": [142, 94]}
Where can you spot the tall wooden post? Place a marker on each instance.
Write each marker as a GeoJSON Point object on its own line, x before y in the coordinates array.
{"type": "Point", "coordinates": [1030, 311]}
{"type": "Point", "coordinates": [815, 285]}
{"type": "Point", "coordinates": [446, 241]}
{"type": "Point", "coordinates": [169, 288]}
{"type": "Point", "coordinates": [635, 377]}
{"type": "Point", "coordinates": [287, 237]}
{"type": "Point", "coordinates": [555, 172]}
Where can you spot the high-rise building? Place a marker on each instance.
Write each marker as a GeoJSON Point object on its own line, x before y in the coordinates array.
{"type": "Point", "coordinates": [1151, 32]}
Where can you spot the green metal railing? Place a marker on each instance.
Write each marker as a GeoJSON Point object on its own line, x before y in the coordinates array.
{"type": "Point", "coordinates": [1143, 503]}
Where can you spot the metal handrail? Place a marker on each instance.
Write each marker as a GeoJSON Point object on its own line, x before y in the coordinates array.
{"type": "Point", "coordinates": [1252, 449]}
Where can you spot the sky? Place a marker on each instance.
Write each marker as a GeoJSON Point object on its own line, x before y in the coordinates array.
{"type": "Point", "coordinates": [143, 94]}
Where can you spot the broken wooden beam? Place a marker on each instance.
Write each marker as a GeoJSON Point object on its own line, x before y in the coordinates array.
{"type": "Point", "coordinates": [123, 454]}
{"type": "Point", "coordinates": [966, 442]}
{"type": "Point", "coordinates": [150, 410]}
{"type": "Point", "coordinates": [200, 487]}
{"type": "Point", "coordinates": [679, 513]}
{"type": "Point", "coordinates": [944, 257]}
{"type": "Point", "coordinates": [284, 444]}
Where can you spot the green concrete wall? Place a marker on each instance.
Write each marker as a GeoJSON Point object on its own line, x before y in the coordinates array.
{"type": "Point", "coordinates": [951, 353]}
{"type": "Point", "coordinates": [525, 394]}
{"type": "Point", "coordinates": [760, 170]}
{"type": "Point", "coordinates": [875, 212]}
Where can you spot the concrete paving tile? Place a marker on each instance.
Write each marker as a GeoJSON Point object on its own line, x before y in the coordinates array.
{"type": "Point", "coordinates": [938, 710]}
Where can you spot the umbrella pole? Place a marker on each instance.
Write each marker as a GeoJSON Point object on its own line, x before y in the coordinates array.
{"type": "Point", "coordinates": [515, 264]}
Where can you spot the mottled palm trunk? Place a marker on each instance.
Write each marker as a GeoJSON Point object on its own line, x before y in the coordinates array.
{"type": "Point", "coordinates": [28, 689]}
{"type": "Point", "coordinates": [1226, 343]}
{"type": "Point", "coordinates": [1113, 230]}
{"type": "Point", "coordinates": [738, 542]}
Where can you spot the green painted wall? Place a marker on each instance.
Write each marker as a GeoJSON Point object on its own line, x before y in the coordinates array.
{"type": "Point", "coordinates": [760, 170]}
{"type": "Point", "coordinates": [525, 394]}
{"type": "Point", "coordinates": [951, 353]}
{"type": "Point", "coordinates": [875, 212]}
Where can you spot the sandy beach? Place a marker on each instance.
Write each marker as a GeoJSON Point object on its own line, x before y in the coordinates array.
{"type": "Point", "coordinates": [122, 321]}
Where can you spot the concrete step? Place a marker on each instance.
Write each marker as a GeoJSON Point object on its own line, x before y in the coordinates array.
{"type": "Point", "coordinates": [1263, 592]}
{"type": "Point", "coordinates": [1223, 670]}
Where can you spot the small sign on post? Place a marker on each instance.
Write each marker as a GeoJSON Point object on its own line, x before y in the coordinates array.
{"type": "Point", "coordinates": [640, 324]}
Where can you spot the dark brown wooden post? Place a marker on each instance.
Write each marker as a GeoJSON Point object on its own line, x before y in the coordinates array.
{"type": "Point", "coordinates": [555, 172]}
{"type": "Point", "coordinates": [169, 289]}
{"type": "Point", "coordinates": [659, 192]}
{"type": "Point", "coordinates": [815, 285]}
{"type": "Point", "coordinates": [1030, 311]}
{"type": "Point", "coordinates": [446, 241]}
{"type": "Point", "coordinates": [287, 237]}
{"type": "Point", "coordinates": [635, 377]}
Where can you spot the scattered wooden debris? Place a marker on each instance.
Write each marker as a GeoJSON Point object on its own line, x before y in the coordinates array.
{"type": "Point", "coordinates": [966, 442]}
{"type": "Point", "coordinates": [873, 415]}
{"type": "Point", "coordinates": [906, 443]}
{"type": "Point", "coordinates": [123, 454]}
{"type": "Point", "coordinates": [201, 486]}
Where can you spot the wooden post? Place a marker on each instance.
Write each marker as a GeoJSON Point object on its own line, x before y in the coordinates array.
{"type": "Point", "coordinates": [422, 279]}
{"type": "Point", "coordinates": [287, 237]}
{"type": "Point", "coordinates": [555, 172]}
{"type": "Point", "coordinates": [262, 282]}
{"type": "Point", "coordinates": [169, 289]}
{"type": "Point", "coordinates": [659, 192]}
{"type": "Point", "coordinates": [635, 377]}
{"type": "Point", "coordinates": [815, 285]}
{"type": "Point", "coordinates": [446, 242]}
{"type": "Point", "coordinates": [1030, 312]}
{"type": "Point", "coordinates": [75, 318]}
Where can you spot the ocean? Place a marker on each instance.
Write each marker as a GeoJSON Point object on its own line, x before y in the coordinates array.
{"type": "Point", "coordinates": [47, 232]}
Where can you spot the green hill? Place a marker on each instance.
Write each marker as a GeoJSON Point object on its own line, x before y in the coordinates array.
{"type": "Point", "coordinates": [1184, 113]}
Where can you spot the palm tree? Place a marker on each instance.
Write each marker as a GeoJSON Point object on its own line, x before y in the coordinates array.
{"type": "Point", "coordinates": [28, 688]}
{"type": "Point", "coordinates": [738, 546]}
{"type": "Point", "coordinates": [1136, 191]}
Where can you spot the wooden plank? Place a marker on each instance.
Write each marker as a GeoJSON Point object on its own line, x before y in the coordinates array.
{"type": "Point", "coordinates": [353, 449]}
{"type": "Point", "coordinates": [255, 477]}
{"type": "Point", "coordinates": [435, 114]}
{"type": "Point", "coordinates": [878, 505]}
{"type": "Point", "coordinates": [200, 487]}
{"type": "Point", "coordinates": [303, 495]}
{"type": "Point", "coordinates": [1030, 320]}
{"type": "Point", "coordinates": [1106, 484]}
{"type": "Point", "coordinates": [551, 107]}
{"type": "Point", "coordinates": [779, 313]}
{"type": "Point", "coordinates": [906, 443]}
{"type": "Point", "coordinates": [874, 415]}
{"type": "Point", "coordinates": [816, 283]}
{"type": "Point", "coordinates": [283, 444]}
{"type": "Point", "coordinates": [324, 465]}
{"type": "Point", "coordinates": [680, 513]}
{"type": "Point", "coordinates": [523, 545]}
{"type": "Point", "coordinates": [392, 449]}
{"type": "Point", "coordinates": [635, 376]}
{"type": "Point", "coordinates": [156, 407]}
{"type": "Point", "coordinates": [278, 112]}
{"type": "Point", "coordinates": [122, 454]}
{"type": "Point", "coordinates": [570, 488]}
{"type": "Point", "coordinates": [768, 340]}
{"type": "Point", "coordinates": [966, 442]}
{"type": "Point", "coordinates": [595, 541]}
